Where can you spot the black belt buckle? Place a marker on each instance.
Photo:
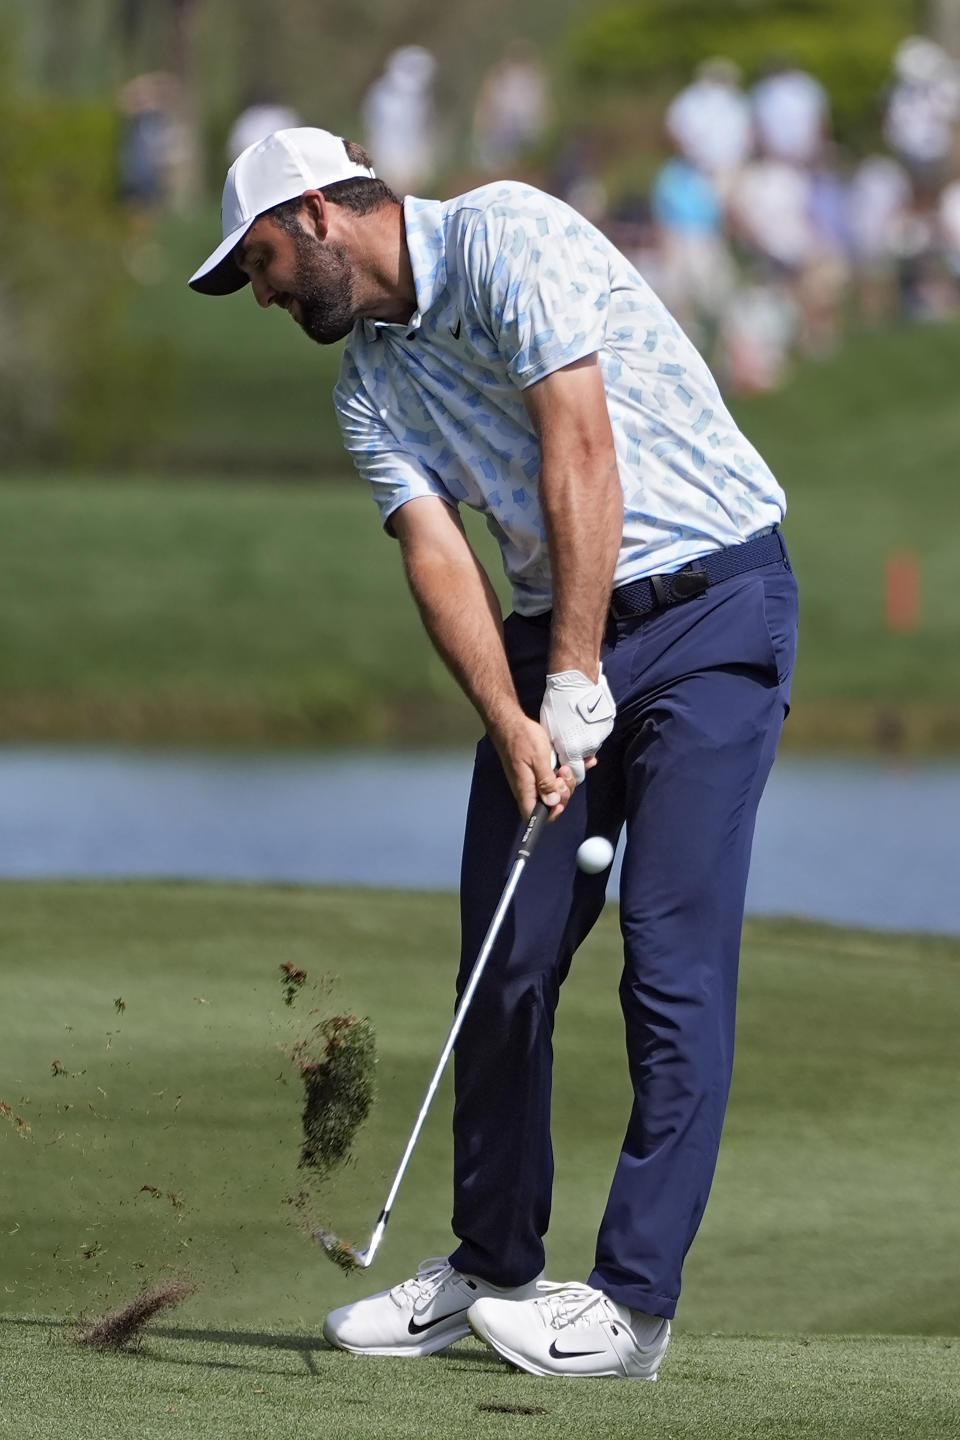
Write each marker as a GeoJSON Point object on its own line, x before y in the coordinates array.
{"type": "Point", "coordinates": [682, 585]}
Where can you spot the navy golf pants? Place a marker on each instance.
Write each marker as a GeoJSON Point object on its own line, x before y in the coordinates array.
{"type": "Point", "coordinates": [702, 689]}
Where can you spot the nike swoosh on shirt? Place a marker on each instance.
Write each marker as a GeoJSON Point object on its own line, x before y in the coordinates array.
{"type": "Point", "coordinates": [570, 1354]}
{"type": "Point", "coordinates": [416, 1329]}
{"type": "Point", "coordinates": [456, 332]}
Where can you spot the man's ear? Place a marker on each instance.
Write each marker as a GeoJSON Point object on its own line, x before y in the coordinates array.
{"type": "Point", "coordinates": [316, 213]}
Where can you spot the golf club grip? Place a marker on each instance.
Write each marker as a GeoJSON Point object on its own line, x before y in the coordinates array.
{"type": "Point", "coordinates": [533, 831]}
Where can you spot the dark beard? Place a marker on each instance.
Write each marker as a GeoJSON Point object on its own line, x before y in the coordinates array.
{"type": "Point", "coordinates": [324, 290]}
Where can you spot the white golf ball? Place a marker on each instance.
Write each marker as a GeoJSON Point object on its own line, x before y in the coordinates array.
{"type": "Point", "coordinates": [595, 854]}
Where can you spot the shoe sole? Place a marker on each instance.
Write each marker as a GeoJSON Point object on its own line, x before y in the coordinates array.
{"type": "Point", "coordinates": [532, 1368]}
{"type": "Point", "coordinates": [431, 1346]}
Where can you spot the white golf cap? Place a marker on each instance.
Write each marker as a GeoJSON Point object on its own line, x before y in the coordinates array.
{"type": "Point", "coordinates": [276, 169]}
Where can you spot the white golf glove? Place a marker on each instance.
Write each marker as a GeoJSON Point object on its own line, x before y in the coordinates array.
{"type": "Point", "coordinates": [578, 716]}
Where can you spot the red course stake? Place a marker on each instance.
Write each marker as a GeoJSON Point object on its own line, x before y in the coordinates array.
{"type": "Point", "coordinates": [903, 593]}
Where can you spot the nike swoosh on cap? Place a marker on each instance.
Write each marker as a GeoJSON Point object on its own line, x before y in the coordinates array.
{"type": "Point", "coordinates": [416, 1329]}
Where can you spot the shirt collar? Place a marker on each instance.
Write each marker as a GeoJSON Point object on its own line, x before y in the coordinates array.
{"type": "Point", "coordinates": [423, 220]}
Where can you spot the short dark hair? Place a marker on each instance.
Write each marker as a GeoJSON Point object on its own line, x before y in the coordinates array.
{"type": "Point", "coordinates": [360, 194]}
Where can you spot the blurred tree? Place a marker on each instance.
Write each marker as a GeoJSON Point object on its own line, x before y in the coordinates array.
{"type": "Point", "coordinates": [846, 44]}
{"type": "Point", "coordinates": [317, 55]}
{"type": "Point", "coordinates": [74, 385]}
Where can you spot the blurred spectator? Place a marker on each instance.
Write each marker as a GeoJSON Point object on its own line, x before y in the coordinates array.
{"type": "Point", "coordinates": [576, 179]}
{"type": "Point", "coordinates": [770, 217]}
{"type": "Point", "coordinates": [771, 214]}
{"type": "Point", "coordinates": [511, 109]}
{"type": "Point", "coordinates": [825, 279]}
{"type": "Point", "coordinates": [791, 222]}
{"type": "Point", "coordinates": [948, 218]}
{"type": "Point", "coordinates": [759, 226]}
{"type": "Point", "coordinates": [710, 122]}
{"type": "Point", "coordinates": [150, 147]}
{"type": "Point", "coordinates": [260, 117]}
{"type": "Point", "coordinates": [922, 111]}
{"type": "Point", "coordinates": [399, 119]}
{"type": "Point", "coordinates": [147, 106]}
{"type": "Point", "coordinates": [879, 202]}
{"type": "Point", "coordinates": [696, 273]}
{"type": "Point", "coordinates": [830, 199]}
{"type": "Point", "coordinates": [756, 336]}
{"type": "Point", "coordinates": [633, 230]}
{"type": "Point", "coordinates": [791, 113]}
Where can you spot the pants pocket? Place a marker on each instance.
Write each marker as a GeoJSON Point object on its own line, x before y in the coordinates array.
{"type": "Point", "coordinates": [780, 603]}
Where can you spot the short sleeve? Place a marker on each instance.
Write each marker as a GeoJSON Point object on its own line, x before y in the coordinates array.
{"type": "Point", "coordinates": [395, 474]}
{"type": "Point", "coordinates": [541, 283]}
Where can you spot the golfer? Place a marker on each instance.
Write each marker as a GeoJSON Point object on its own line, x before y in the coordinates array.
{"type": "Point", "coordinates": [502, 354]}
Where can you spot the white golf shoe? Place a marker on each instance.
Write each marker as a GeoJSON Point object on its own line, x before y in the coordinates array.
{"type": "Point", "coordinates": [419, 1317]}
{"type": "Point", "coordinates": [570, 1329]}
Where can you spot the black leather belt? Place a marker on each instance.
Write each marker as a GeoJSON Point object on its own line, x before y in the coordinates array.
{"type": "Point", "coordinates": [658, 591]}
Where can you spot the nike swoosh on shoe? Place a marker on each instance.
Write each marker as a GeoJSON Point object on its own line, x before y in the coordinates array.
{"type": "Point", "coordinates": [416, 1329]}
{"type": "Point", "coordinates": [570, 1354]}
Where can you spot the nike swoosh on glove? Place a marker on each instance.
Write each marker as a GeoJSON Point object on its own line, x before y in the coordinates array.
{"type": "Point", "coordinates": [578, 716]}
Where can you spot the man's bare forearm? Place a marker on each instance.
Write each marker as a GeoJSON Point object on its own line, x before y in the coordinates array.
{"type": "Point", "coordinates": [461, 614]}
{"type": "Point", "coordinates": [582, 501]}
{"type": "Point", "coordinates": [583, 508]}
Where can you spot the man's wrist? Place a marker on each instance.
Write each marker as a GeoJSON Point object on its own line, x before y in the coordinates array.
{"type": "Point", "coordinates": [505, 724]}
{"type": "Point", "coordinates": [565, 661]}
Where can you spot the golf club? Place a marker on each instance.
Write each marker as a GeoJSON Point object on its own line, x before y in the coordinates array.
{"type": "Point", "coordinates": [346, 1255]}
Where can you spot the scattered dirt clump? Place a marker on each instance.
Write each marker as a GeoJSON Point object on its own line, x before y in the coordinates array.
{"type": "Point", "coordinates": [292, 979]}
{"type": "Point", "coordinates": [118, 1328]}
{"type": "Point", "coordinates": [492, 1409]}
{"type": "Point", "coordinates": [336, 1063]}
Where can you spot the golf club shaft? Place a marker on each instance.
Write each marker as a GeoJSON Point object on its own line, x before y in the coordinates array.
{"type": "Point", "coordinates": [531, 835]}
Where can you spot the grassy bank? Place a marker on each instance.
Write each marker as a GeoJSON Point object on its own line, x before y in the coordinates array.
{"type": "Point", "coordinates": [205, 612]}
{"type": "Point", "coordinates": [250, 395]}
{"type": "Point", "coordinates": [197, 610]}
{"type": "Point", "coordinates": [273, 613]}
{"type": "Point", "coordinates": [830, 1219]}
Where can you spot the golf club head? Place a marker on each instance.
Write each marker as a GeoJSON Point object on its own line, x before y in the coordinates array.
{"type": "Point", "coordinates": [365, 1257]}
{"type": "Point", "coordinates": [341, 1252]}
{"type": "Point", "coordinates": [347, 1256]}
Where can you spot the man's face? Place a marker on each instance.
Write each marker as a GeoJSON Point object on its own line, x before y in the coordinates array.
{"type": "Point", "coordinates": [312, 279]}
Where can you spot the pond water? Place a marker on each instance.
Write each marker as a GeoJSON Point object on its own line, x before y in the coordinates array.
{"type": "Point", "coordinates": [861, 843]}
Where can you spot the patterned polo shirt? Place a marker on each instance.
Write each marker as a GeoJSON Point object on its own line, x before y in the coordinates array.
{"type": "Point", "coordinates": [512, 285]}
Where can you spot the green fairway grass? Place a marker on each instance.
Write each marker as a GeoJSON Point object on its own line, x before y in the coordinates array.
{"type": "Point", "coordinates": [160, 1008]}
{"type": "Point", "coordinates": [834, 1209]}
{"type": "Point", "coordinates": [218, 1385]}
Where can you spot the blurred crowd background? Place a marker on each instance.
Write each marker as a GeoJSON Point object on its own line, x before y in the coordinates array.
{"type": "Point", "coordinates": [785, 173]}
{"type": "Point", "coordinates": [781, 171]}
